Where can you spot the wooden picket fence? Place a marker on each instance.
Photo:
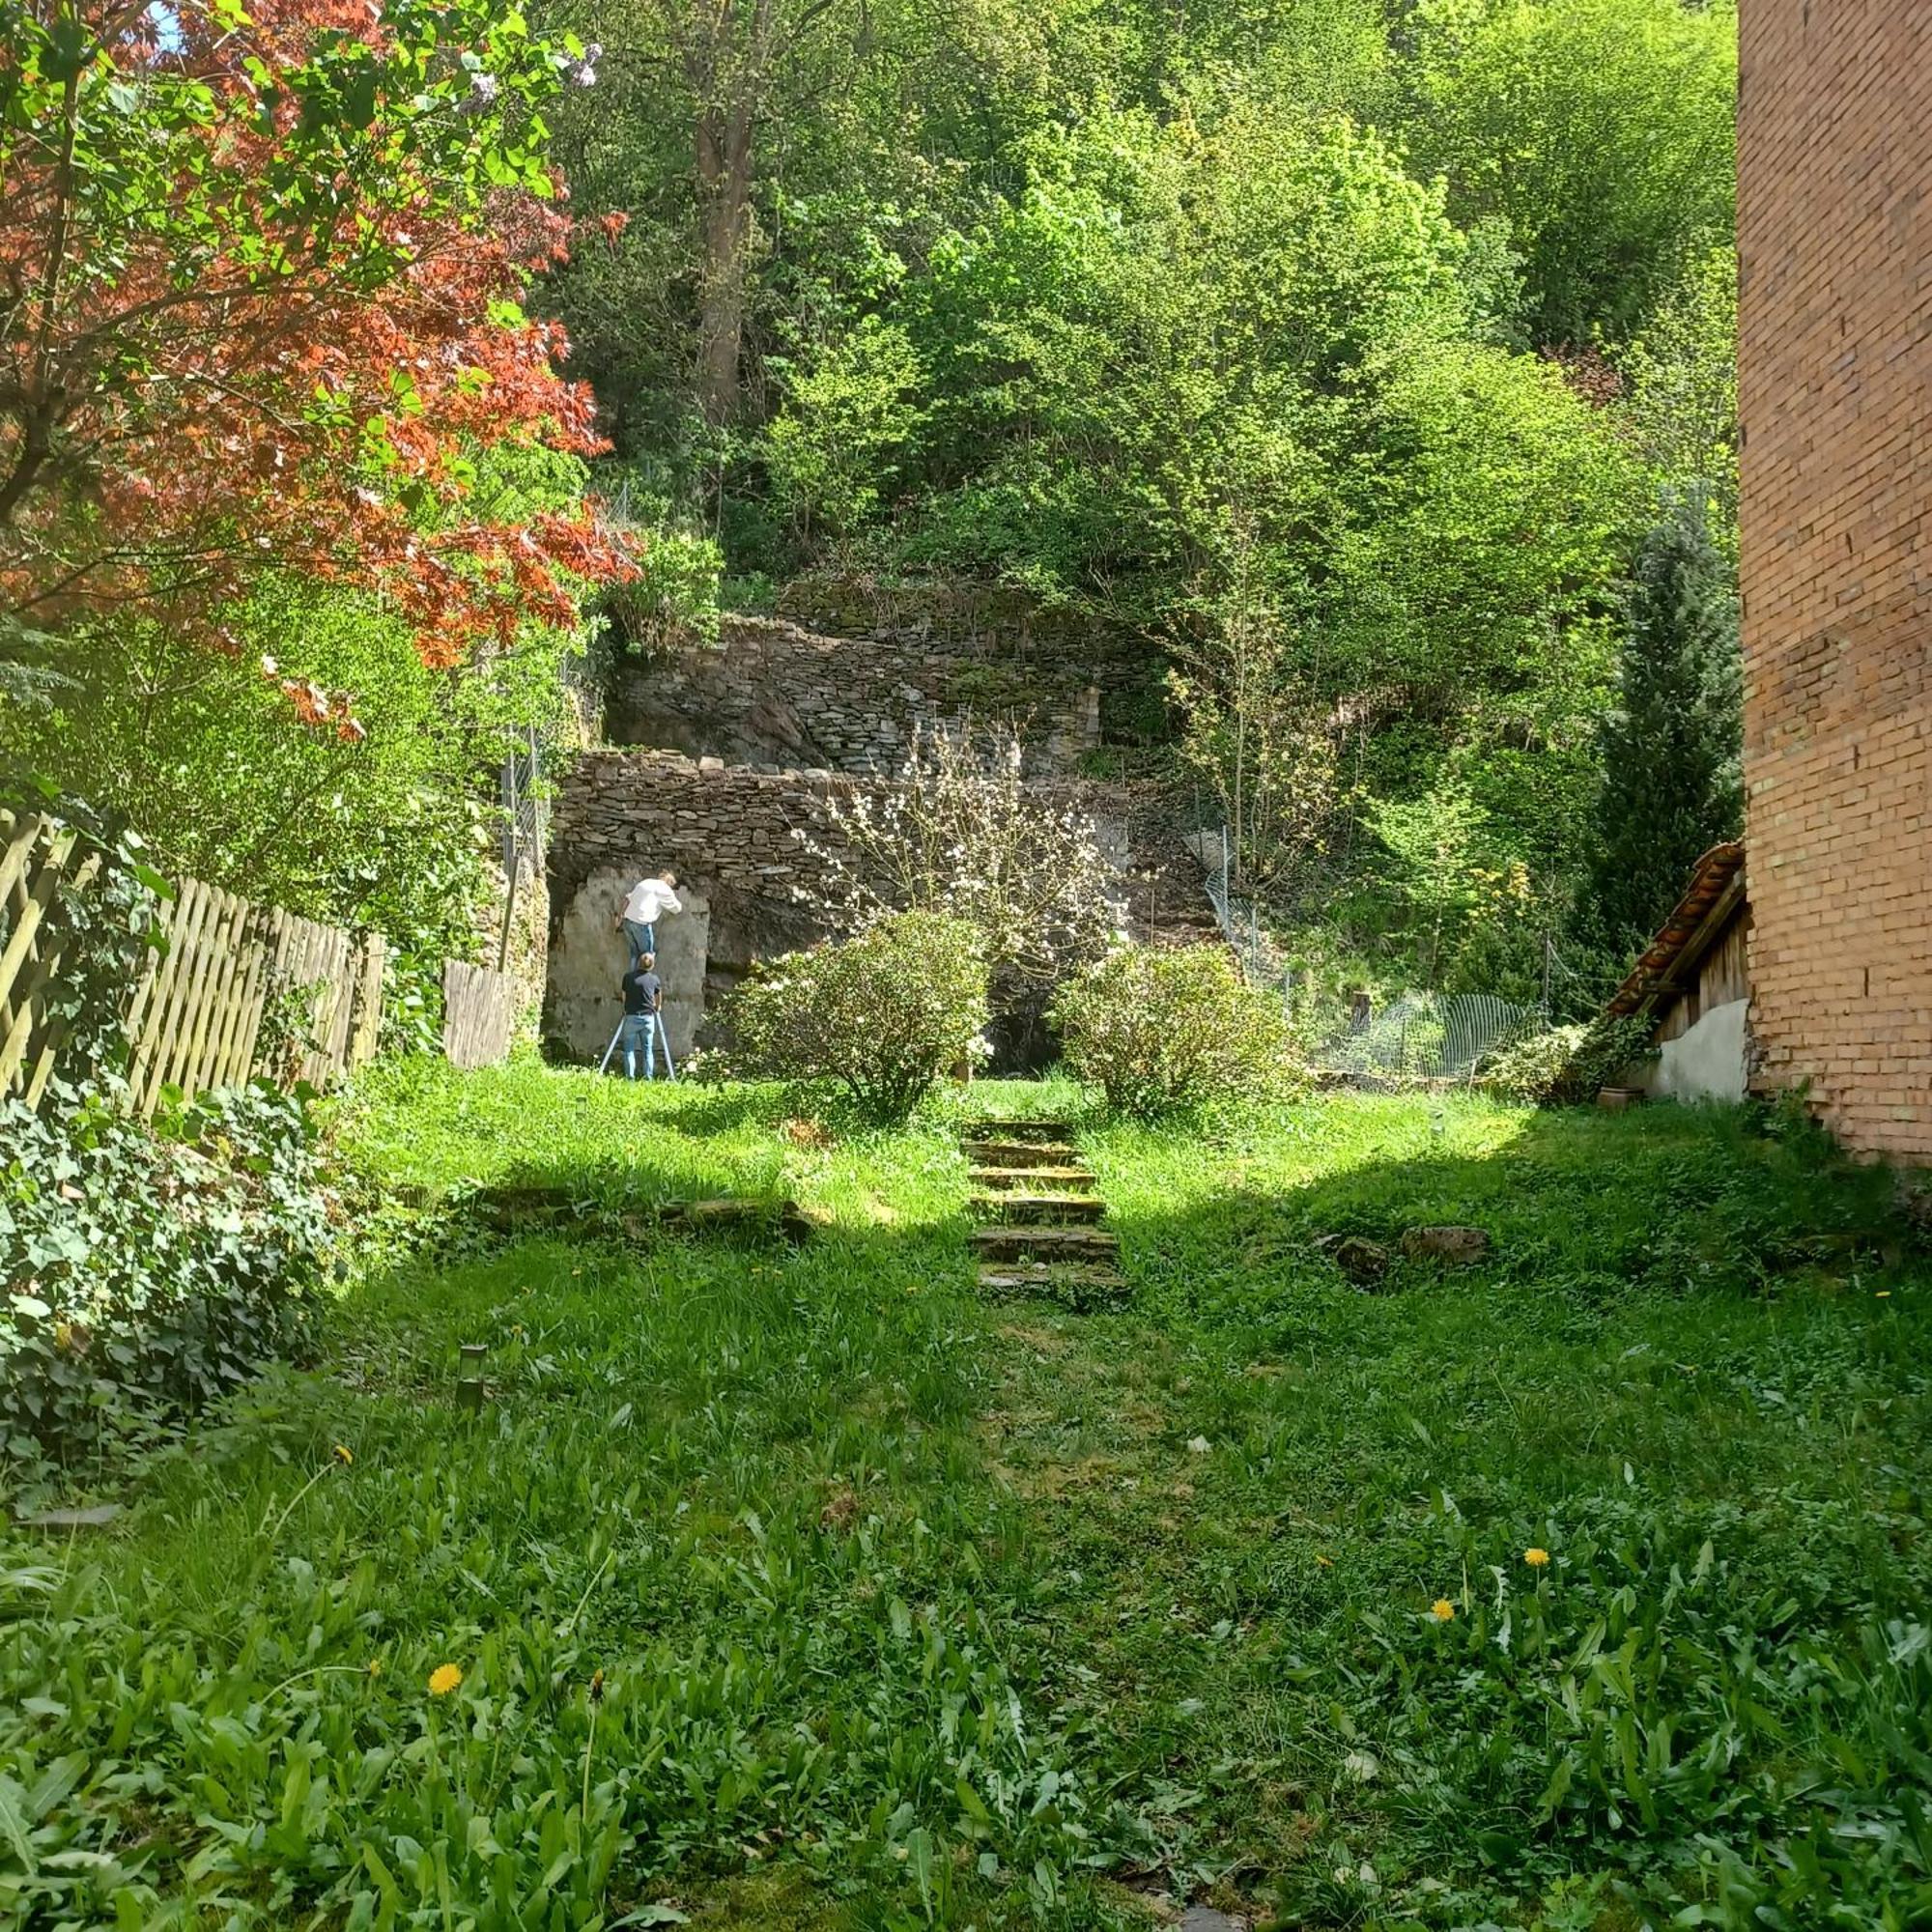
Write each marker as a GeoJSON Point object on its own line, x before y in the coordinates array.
{"type": "Point", "coordinates": [476, 1014]}
{"type": "Point", "coordinates": [235, 991]}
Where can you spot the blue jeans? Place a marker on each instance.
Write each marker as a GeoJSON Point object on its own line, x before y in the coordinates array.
{"type": "Point", "coordinates": [639, 1033]}
{"type": "Point", "coordinates": [641, 938]}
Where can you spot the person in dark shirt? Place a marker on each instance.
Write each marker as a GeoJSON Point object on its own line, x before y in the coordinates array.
{"type": "Point", "coordinates": [644, 1005]}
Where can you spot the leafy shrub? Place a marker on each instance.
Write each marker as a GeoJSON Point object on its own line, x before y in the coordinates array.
{"type": "Point", "coordinates": [1160, 1031]}
{"type": "Point", "coordinates": [959, 831]}
{"type": "Point", "coordinates": [1566, 1066]}
{"type": "Point", "coordinates": [883, 1014]}
{"type": "Point", "coordinates": [142, 1273]}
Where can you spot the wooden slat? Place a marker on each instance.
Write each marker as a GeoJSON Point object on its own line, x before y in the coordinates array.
{"type": "Point", "coordinates": [204, 1031]}
{"type": "Point", "coordinates": [156, 1050]}
{"type": "Point", "coordinates": [155, 1058]}
{"type": "Point", "coordinates": [369, 1001]}
{"type": "Point", "coordinates": [31, 910]}
{"type": "Point", "coordinates": [22, 837]}
{"type": "Point", "coordinates": [177, 1022]}
{"type": "Point", "coordinates": [274, 953]}
{"type": "Point", "coordinates": [221, 1052]}
{"type": "Point", "coordinates": [341, 1001]}
{"type": "Point", "coordinates": [314, 968]}
{"type": "Point", "coordinates": [476, 1010]}
{"type": "Point", "coordinates": [144, 986]}
{"type": "Point", "coordinates": [239, 1060]}
{"type": "Point", "coordinates": [24, 970]}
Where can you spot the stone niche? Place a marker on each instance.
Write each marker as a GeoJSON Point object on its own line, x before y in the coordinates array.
{"type": "Point", "coordinates": [584, 1001]}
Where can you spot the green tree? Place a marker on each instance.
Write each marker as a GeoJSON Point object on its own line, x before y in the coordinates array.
{"type": "Point", "coordinates": [1671, 749]}
{"type": "Point", "coordinates": [1602, 132]}
{"type": "Point", "coordinates": [1682, 372]}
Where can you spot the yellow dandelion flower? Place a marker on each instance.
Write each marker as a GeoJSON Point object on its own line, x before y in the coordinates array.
{"type": "Point", "coordinates": [1442, 1609]}
{"type": "Point", "coordinates": [342, 1454]}
{"type": "Point", "coordinates": [375, 1667]}
{"type": "Point", "coordinates": [596, 1687]}
{"type": "Point", "coordinates": [1537, 1559]}
{"type": "Point", "coordinates": [445, 1679]}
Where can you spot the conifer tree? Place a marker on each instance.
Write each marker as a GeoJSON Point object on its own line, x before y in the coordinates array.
{"type": "Point", "coordinates": [1671, 750]}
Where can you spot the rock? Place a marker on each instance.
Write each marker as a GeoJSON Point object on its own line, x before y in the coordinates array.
{"type": "Point", "coordinates": [97, 1517]}
{"type": "Point", "coordinates": [1457, 1246]}
{"type": "Point", "coordinates": [1205, 1919]}
{"type": "Point", "coordinates": [1361, 1260]}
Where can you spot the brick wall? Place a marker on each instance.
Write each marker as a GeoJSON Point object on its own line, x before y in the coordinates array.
{"type": "Point", "coordinates": [1835, 393]}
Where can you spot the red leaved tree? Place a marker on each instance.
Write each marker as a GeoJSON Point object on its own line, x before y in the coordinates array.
{"type": "Point", "coordinates": [260, 280]}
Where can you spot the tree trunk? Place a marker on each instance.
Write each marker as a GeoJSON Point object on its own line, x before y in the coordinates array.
{"type": "Point", "coordinates": [727, 112]}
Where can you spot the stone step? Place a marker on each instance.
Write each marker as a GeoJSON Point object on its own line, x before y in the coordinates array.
{"type": "Point", "coordinates": [1075, 1287]}
{"type": "Point", "coordinates": [1038, 1210]}
{"type": "Point", "coordinates": [1019, 1154]}
{"type": "Point", "coordinates": [1063, 1180]}
{"type": "Point", "coordinates": [1055, 1243]}
{"type": "Point", "coordinates": [1057, 1131]}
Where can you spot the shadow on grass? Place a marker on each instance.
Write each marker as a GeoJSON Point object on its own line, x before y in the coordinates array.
{"type": "Point", "coordinates": [1684, 1200]}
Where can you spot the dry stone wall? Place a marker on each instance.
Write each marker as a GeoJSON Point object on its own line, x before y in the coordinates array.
{"type": "Point", "coordinates": [726, 832]}
{"type": "Point", "coordinates": [845, 679]}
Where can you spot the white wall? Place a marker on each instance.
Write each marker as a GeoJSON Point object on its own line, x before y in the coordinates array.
{"type": "Point", "coordinates": [1708, 1062]}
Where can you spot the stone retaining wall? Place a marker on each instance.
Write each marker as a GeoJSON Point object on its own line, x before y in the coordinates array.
{"type": "Point", "coordinates": [848, 691]}
{"type": "Point", "coordinates": [726, 832]}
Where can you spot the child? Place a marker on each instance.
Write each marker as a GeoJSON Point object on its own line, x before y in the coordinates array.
{"type": "Point", "coordinates": [643, 1003]}
{"type": "Point", "coordinates": [639, 921]}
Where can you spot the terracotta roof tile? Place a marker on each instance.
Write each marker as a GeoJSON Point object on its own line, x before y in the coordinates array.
{"type": "Point", "coordinates": [1709, 883]}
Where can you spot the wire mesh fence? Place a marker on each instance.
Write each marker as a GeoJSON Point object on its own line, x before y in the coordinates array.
{"type": "Point", "coordinates": [1415, 1037]}
{"type": "Point", "coordinates": [1423, 1037]}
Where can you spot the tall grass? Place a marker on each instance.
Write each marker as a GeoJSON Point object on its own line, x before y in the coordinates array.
{"type": "Point", "coordinates": [912, 1611]}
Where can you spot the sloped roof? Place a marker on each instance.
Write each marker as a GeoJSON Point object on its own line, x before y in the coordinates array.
{"type": "Point", "coordinates": [1679, 944]}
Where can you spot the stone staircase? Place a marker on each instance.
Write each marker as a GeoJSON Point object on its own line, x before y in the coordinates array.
{"type": "Point", "coordinates": [1040, 1212]}
{"type": "Point", "coordinates": [1168, 902]}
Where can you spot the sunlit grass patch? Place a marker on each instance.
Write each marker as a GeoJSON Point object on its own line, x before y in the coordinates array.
{"type": "Point", "coordinates": [791, 1584]}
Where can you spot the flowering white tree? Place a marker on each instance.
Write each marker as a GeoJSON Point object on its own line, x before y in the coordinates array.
{"type": "Point", "coordinates": [959, 831]}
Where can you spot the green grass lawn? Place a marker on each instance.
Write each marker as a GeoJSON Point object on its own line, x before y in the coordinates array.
{"type": "Point", "coordinates": [799, 1589]}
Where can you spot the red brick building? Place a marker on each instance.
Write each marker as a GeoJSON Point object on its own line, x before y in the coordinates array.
{"type": "Point", "coordinates": [1836, 373]}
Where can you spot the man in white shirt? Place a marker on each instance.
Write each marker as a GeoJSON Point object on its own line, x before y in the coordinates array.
{"type": "Point", "coordinates": [650, 899]}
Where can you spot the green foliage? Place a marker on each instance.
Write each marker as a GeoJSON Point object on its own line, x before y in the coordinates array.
{"type": "Point", "coordinates": [883, 1015]}
{"type": "Point", "coordinates": [1681, 371]}
{"type": "Point", "coordinates": [852, 410]}
{"type": "Point", "coordinates": [729, 1482]}
{"type": "Point", "coordinates": [204, 752]}
{"type": "Point", "coordinates": [1567, 1065]}
{"type": "Point", "coordinates": [1599, 131]}
{"type": "Point", "coordinates": [145, 1273]}
{"type": "Point", "coordinates": [1168, 1031]}
{"type": "Point", "coordinates": [1673, 749]}
{"type": "Point", "coordinates": [1647, 1378]}
{"type": "Point", "coordinates": [962, 1612]}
